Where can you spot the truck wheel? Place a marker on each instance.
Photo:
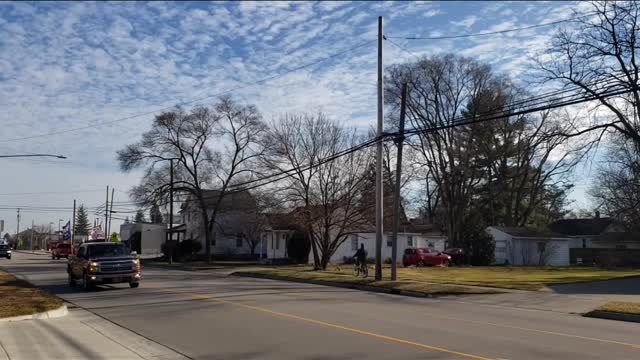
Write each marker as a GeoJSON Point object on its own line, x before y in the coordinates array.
{"type": "Point", "coordinates": [85, 282]}
{"type": "Point", "coordinates": [53, 257]}
{"type": "Point", "coordinates": [420, 263]}
{"type": "Point", "coordinates": [134, 285]}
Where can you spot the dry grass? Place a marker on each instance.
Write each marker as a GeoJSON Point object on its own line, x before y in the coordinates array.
{"type": "Point", "coordinates": [522, 278]}
{"type": "Point", "coordinates": [18, 297]}
{"type": "Point", "coordinates": [620, 308]}
{"type": "Point", "coordinates": [306, 273]}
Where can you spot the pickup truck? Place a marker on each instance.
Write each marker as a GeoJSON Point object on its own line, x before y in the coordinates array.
{"type": "Point", "coordinates": [5, 251]}
{"type": "Point", "coordinates": [103, 263]}
{"type": "Point", "coordinates": [60, 250]}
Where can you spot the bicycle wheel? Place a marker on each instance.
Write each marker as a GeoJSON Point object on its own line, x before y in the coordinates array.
{"type": "Point", "coordinates": [356, 270]}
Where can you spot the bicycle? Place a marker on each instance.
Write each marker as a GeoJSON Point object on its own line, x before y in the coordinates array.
{"type": "Point", "coordinates": [361, 269]}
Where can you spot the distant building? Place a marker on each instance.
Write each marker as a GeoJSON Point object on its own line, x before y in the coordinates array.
{"type": "Point", "coordinates": [526, 246]}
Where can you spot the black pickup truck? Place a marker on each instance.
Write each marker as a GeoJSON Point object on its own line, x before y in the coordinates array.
{"type": "Point", "coordinates": [103, 263]}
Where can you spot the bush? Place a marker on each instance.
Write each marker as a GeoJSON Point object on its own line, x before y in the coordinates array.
{"type": "Point", "coordinates": [298, 247]}
{"type": "Point", "coordinates": [387, 260]}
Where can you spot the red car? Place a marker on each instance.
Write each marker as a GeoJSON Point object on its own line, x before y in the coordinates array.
{"type": "Point", "coordinates": [61, 250]}
{"type": "Point", "coordinates": [425, 257]}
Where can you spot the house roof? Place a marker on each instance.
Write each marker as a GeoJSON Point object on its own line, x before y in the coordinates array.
{"type": "Point", "coordinates": [235, 201]}
{"type": "Point", "coordinates": [577, 227]}
{"type": "Point", "coordinates": [527, 232]}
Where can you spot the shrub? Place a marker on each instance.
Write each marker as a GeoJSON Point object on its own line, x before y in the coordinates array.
{"type": "Point", "coordinates": [298, 247]}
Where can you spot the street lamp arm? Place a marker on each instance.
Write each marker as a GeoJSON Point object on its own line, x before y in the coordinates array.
{"type": "Point", "coordinates": [33, 155]}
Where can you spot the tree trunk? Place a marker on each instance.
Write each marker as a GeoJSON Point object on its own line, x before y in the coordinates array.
{"type": "Point", "coordinates": [207, 233]}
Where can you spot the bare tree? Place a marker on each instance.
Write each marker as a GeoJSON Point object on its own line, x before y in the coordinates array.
{"type": "Point", "coordinates": [617, 185]}
{"type": "Point", "coordinates": [546, 251]}
{"type": "Point", "coordinates": [327, 194]}
{"type": "Point", "coordinates": [210, 148]}
{"type": "Point", "coordinates": [598, 54]}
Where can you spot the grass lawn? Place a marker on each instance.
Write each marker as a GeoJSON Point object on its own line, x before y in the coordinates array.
{"type": "Point", "coordinates": [18, 297]}
{"type": "Point", "coordinates": [523, 278]}
{"type": "Point", "coordinates": [621, 308]}
{"type": "Point", "coordinates": [346, 277]}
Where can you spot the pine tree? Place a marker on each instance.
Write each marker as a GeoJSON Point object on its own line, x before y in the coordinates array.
{"type": "Point", "coordinates": [140, 217]}
{"type": "Point", "coordinates": [156, 215]}
{"type": "Point", "coordinates": [82, 226]}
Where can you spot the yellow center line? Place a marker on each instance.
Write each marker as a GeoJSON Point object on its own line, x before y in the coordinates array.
{"type": "Point", "coordinates": [329, 325]}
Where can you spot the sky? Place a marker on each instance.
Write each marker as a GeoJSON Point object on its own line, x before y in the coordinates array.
{"type": "Point", "coordinates": [83, 79]}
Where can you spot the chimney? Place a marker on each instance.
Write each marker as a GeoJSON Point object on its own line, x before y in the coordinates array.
{"type": "Point", "coordinates": [597, 214]}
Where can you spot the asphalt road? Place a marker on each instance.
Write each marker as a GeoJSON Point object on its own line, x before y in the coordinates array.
{"type": "Point", "coordinates": [213, 316]}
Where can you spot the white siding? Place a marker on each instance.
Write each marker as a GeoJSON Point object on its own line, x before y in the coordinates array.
{"type": "Point", "coordinates": [369, 240]}
{"type": "Point", "coordinates": [526, 252]}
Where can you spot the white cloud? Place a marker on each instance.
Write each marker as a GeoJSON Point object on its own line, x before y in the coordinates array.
{"type": "Point", "coordinates": [467, 22]}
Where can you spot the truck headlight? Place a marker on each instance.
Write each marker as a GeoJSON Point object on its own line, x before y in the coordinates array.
{"type": "Point", "coordinates": [94, 267]}
{"type": "Point", "coordinates": [136, 264]}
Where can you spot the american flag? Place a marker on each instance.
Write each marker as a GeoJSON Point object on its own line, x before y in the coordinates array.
{"type": "Point", "coordinates": [66, 231]}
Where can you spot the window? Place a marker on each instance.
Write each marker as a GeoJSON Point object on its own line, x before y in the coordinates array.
{"type": "Point", "coordinates": [408, 252]}
{"type": "Point", "coordinates": [501, 250]}
{"type": "Point", "coordinates": [410, 240]}
{"type": "Point", "coordinates": [239, 240]}
{"type": "Point", "coordinates": [542, 246]}
{"type": "Point", "coordinates": [584, 243]}
{"type": "Point", "coordinates": [389, 241]}
{"type": "Point", "coordinates": [430, 245]}
{"type": "Point", "coordinates": [354, 242]}
{"type": "Point", "coordinates": [213, 240]}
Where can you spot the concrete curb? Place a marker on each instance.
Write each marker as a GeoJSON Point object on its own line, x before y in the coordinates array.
{"type": "Point", "coordinates": [613, 316]}
{"type": "Point", "coordinates": [38, 252]}
{"type": "Point", "coordinates": [51, 314]}
{"type": "Point", "coordinates": [340, 285]}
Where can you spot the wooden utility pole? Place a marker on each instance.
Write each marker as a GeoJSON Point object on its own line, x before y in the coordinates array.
{"type": "Point", "coordinates": [31, 241]}
{"type": "Point", "coordinates": [18, 230]}
{"type": "Point", "coordinates": [108, 234]}
{"type": "Point", "coordinates": [73, 226]}
{"type": "Point", "coordinates": [170, 244]}
{"type": "Point", "coordinates": [379, 185]}
{"type": "Point", "coordinates": [396, 202]}
{"type": "Point", "coordinates": [106, 215]}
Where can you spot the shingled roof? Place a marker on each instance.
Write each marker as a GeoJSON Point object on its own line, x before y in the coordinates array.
{"type": "Point", "coordinates": [527, 232]}
{"type": "Point", "coordinates": [581, 227]}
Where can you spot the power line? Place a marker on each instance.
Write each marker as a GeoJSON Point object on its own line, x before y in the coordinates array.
{"type": "Point", "coordinates": [315, 62]}
{"type": "Point", "coordinates": [490, 32]}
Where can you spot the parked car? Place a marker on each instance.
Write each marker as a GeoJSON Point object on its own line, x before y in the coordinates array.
{"type": "Point", "coordinates": [425, 257]}
{"type": "Point", "coordinates": [5, 251]}
{"type": "Point", "coordinates": [61, 250]}
{"type": "Point", "coordinates": [104, 263]}
{"type": "Point", "coordinates": [457, 255]}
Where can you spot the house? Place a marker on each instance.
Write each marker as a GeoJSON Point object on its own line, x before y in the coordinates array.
{"type": "Point", "coordinates": [411, 234]}
{"type": "Point", "coordinates": [234, 212]}
{"type": "Point", "coordinates": [526, 246]}
{"type": "Point", "coordinates": [599, 241]}
{"type": "Point", "coordinates": [596, 233]}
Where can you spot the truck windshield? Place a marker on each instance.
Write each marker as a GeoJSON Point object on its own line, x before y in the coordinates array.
{"type": "Point", "coordinates": [4, 247]}
{"type": "Point", "coordinates": [107, 250]}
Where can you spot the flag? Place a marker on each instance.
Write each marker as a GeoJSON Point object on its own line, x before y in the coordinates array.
{"type": "Point", "coordinates": [66, 231]}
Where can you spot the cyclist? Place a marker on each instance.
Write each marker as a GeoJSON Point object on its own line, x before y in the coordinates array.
{"type": "Point", "coordinates": [361, 256]}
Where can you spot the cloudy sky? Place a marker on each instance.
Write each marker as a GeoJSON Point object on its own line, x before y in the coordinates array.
{"type": "Point", "coordinates": [84, 79]}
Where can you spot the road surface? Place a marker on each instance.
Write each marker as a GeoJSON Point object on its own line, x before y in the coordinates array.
{"type": "Point", "coordinates": [213, 316]}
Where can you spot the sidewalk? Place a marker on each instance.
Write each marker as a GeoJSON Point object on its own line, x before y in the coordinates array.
{"type": "Point", "coordinates": [79, 335]}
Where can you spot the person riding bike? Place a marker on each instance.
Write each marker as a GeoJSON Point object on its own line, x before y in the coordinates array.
{"type": "Point", "coordinates": [361, 256]}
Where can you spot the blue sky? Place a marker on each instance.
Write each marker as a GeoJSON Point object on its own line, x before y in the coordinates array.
{"type": "Point", "coordinates": [66, 65]}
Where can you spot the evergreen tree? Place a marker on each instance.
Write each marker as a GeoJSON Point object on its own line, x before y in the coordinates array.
{"type": "Point", "coordinates": [82, 226]}
{"type": "Point", "coordinates": [156, 215]}
{"type": "Point", "coordinates": [140, 217]}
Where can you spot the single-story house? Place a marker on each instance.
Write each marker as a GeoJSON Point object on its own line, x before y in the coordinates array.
{"type": "Point", "coordinates": [526, 246]}
{"type": "Point", "coordinates": [596, 233]}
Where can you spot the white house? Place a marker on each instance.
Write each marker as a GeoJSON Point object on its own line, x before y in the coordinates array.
{"type": "Point", "coordinates": [232, 220]}
{"type": "Point", "coordinates": [525, 246]}
{"type": "Point", "coordinates": [405, 240]}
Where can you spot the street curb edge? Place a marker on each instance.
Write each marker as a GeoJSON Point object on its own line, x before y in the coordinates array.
{"type": "Point", "coordinates": [51, 314]}
{"type": "Point", "coordinates": [613, 316]}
